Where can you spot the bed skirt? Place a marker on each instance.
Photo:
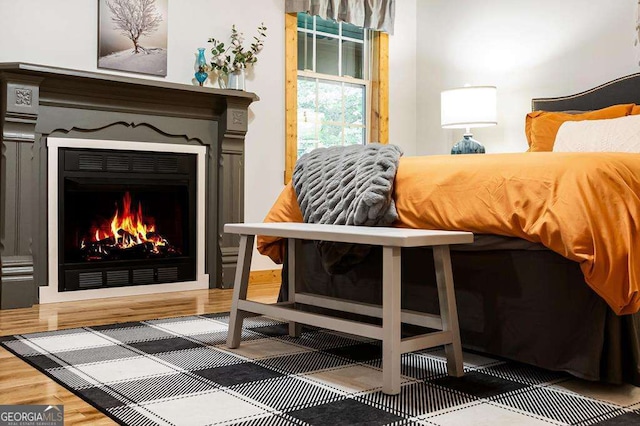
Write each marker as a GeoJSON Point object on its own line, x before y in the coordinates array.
{"type": "Point", "coordinates": [527, 305]}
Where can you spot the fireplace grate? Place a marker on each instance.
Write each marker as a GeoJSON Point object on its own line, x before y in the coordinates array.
{"type": "Point", "coordinates": [89, 162]}
{"type": "Point", "coordinates": [143, 164]}
{"type": "Point", "coordinates": [168, 274]}
{"type": "Point", "coordinates": [168, 165]}
{"type": "Point", "coordinates": [109, 161]}
{"type": "Point", "coordinates": [90, 279]}
{"type": "Point", "coordinates": [143, 276]}
{"type": "Point", "coordinates": [116, 278]}
{"type": "Point", "coordinates": [117, 163]}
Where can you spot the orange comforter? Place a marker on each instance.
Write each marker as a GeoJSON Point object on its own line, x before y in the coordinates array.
{"type": "Point", "coordinates": [584, 206]}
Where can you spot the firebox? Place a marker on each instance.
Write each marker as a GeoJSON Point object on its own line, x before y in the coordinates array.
{"type": "Point", "coordinates": [125, 218]}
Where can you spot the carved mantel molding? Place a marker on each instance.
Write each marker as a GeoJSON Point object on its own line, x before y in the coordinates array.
{"type": "Point", "coordinates": [40, 101]}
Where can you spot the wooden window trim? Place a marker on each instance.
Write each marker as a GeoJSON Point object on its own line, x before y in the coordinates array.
{"type": "Point", "coordinates": [379, 120]}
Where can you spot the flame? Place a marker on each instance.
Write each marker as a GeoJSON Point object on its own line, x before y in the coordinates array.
{"type": "Point", "coordinates": [127, 228]}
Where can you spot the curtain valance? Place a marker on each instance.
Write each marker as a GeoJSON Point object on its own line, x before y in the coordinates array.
{"type": "Point", "coordinates": [374, 14]}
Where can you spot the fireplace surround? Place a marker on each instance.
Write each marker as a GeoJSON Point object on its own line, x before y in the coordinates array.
{"type": "Point", "coordinates": [98, 191]}
{"type": "Point", "coordinates": [42, 105]}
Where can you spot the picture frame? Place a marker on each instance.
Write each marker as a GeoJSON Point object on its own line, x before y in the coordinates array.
{"type": "Point", "coordinates": [142, 51]}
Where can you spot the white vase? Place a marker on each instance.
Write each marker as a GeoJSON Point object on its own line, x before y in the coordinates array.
{"type": "Point", "coordinates": [236, 80]}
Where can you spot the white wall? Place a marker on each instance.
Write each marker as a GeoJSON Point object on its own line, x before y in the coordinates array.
{"type": "Point", "coordinates": [63, 33]}
{"type": "Point", "coordinates": [402, 78]}
{"type": "Point", "coordinates": [527, 49]}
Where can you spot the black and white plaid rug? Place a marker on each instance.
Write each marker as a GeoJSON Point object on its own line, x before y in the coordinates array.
{"type": "Point", "coordinates": [179, 372]}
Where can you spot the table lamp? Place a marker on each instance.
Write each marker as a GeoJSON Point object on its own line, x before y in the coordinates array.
{"type": "Point", "coordinates": [466, 108]}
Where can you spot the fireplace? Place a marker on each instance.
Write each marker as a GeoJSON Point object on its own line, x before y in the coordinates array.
{"type": "Point", "coordinates": [45, 109]}
{"type": "Point", "coordinates": [125, 218]}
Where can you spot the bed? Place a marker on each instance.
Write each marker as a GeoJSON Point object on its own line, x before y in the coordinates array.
{"type": "Point", "coordinates": [518, 299]}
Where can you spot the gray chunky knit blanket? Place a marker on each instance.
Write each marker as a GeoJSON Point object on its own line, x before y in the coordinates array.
{"type": "Point", "coordinates": [350, 185]}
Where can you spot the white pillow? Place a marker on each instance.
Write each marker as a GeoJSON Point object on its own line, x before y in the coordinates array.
{"type": "Point", "coordinates": [611, 135]}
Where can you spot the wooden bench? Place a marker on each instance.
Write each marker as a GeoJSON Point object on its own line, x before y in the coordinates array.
{"type": "Point", "coordinates": [391, 240]}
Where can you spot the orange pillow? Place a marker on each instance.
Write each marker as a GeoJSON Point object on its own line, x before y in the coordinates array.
{"type": "Point", "coordinates": [635, 110]}
{"type": "Point", "coordinates": [541, 127]}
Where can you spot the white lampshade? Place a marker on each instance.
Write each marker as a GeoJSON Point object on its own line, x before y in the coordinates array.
{"type": "Point", "coordinates": [468, 107]}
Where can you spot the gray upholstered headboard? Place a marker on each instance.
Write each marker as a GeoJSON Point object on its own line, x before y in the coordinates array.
{"type": "Point", "coordinates": [624, 90]}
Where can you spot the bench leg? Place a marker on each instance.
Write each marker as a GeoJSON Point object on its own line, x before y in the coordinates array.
{"type": "Point", "coordinates": [240, 286]}
{"type": "Point", "coordinates": [391, 312]}
{"type": "Point", "coordinates": [448, 310]}
{"type": "Point", "coordinates": [295, 329]}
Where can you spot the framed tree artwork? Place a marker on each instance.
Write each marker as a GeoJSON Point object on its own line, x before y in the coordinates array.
{"type": "Point", "coordinates": [132, 36]}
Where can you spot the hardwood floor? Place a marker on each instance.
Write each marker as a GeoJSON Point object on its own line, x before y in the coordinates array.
{"type": "Point", "coordinates": [22, 384]}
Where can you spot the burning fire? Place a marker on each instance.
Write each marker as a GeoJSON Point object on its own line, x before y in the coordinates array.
{"type": "Point", "coordinates": [127, 229]}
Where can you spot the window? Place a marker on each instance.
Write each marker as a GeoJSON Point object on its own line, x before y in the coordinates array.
{"type": "Point", "coordinates": [333, 83]}
{"type": "Point", "coordinates": [336, 86]}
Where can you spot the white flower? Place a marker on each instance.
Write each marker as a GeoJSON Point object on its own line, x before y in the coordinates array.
{"type": "Point", "coordinates": [238, 40]}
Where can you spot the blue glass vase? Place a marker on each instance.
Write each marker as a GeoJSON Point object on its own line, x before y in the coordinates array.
{"type": "Point", "coordinates": [201, 65]}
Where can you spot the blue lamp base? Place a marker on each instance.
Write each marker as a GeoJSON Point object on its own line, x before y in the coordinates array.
{"type": "Point", "coordinates": [468, 145]}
